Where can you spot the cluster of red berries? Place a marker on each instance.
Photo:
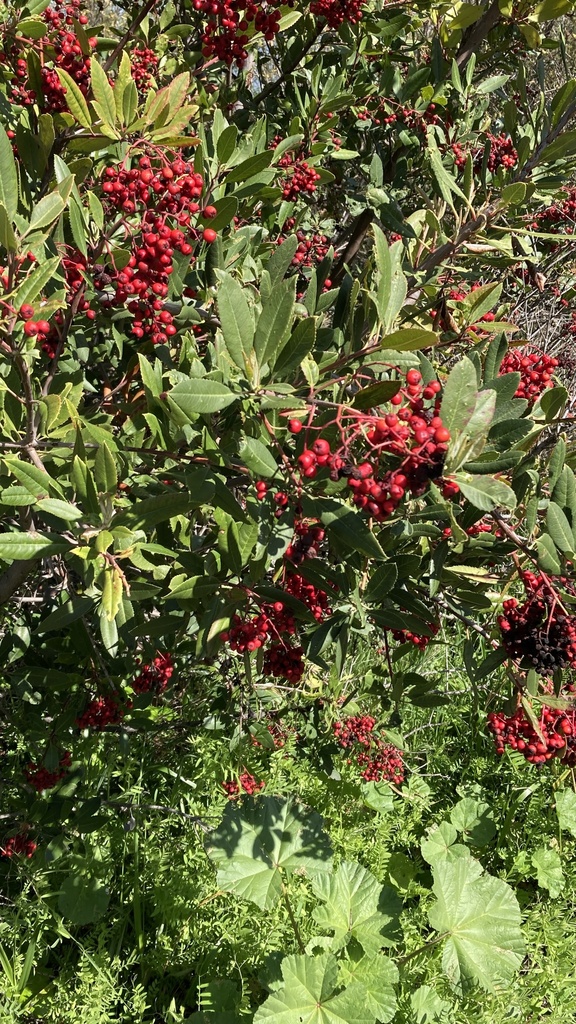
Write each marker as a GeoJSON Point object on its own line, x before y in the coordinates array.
{"type": "Point", "coordinates": [39, 329]}
{"type": "Point", "coordinates": [101, 711]}
{"type": "Point", "coordinates": [19, 846]}
{"type": "Point", "coordinates": [62, 48]}
{"type": "Point", "coordinates": [156, 676]}
{"type": "Point", "coordinates": [536, 370]}
{"type": "Point", "coordinates": [169, 194]}
{"type": "Point", "coordinates": [539, 631]}
{"type": "Point", "coordinates": [559, 217]}
{"type": "Point", "coordinates": [230, 24]}
{"type": "Point", "coordinates": [502, 154]}
{"type": "Point", "coordinates": [284, 662]}
{"type": "Point", "coordinates": [357, 729]}
{"type": "Point", "coordinates": [316, 600]}
{"type": "Point", "coordinates": [335, 12]}
{"type": "Point", "coordinates": [301, 178]}
{"type": "Point", "coordinates": [557, 734]}
{"type": "Point", "coordinates": [384, 765]}
{"type": "Point", "coordinates": [404, 636]}
{"type": "Point", "coordinates": [312, 248]}
{"type": "Point", "coordinates": [390, 113]}
{"type": "Point", "coordinates": [308, 536]}
{"type": "Point", "coordinates": [144, 66]}
{"type": "Point", "coordinates": [475, 530]}
{"type": "Point", "coordinates": [278, 735]}
{"type": "Point", "coordinates": [379, 761]}
{"type": "Point", "coordinates": [245, 784]}
{"type": "Point", "coordinates": [40, 778]}
{"type": "Point", "coordinates": [413, 435]}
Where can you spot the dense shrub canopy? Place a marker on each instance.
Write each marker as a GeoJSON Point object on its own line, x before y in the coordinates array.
{"type": "Point", "coordinates": [282, 287]}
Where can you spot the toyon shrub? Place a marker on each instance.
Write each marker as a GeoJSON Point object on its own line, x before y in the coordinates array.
{"type": "Point", "coordinates": [272, 410]}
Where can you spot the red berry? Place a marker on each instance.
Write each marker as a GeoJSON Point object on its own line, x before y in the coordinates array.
{"type": "Point", "coordinates": [209, 235]}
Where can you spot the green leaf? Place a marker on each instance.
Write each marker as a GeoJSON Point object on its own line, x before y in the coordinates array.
{"type": "Point", "coordinates": [257, 457]}
{"type": "Point", "coordinates": [257, 844]}
{"type": "Point", "coordinates": [19, 547]}
{"type": "Point", "coordinates": [112, 590]}
{"type": "Point", "coordinates": [8, 176]}
{"type": "Point", "coordinates": [105, 471]}
{"type": "Point", "coordinates": [381, 582]}
{"type": "Point", "coordinates": [148, 513]}
{"type": "Point", "coordinates": [547, 555]}
{"type": "Point", "coordinates": [281, 259]}
{"type": "Point", "coordinates": [348, 527]}
{"type": "Point", "coordinates": [474, 818]}
{"type": "Point", "coordinates": [441, 844]}
{"type": "Point", "coordinates": [410, 339]}
{"type": "Point", "coordinates": [66, 614]}
{"type": "Point", "coordinates": [427, 1006]}
{"type": "Point", "coordinates": [559, 528]}
{"type": "Point", "coordinates": [469, 441]}
{"type": "Point", "coordinates": [236, 320]}
{"type": "Point", "coordinates": [390, 282]}
{"type": "Point", "coordinates": [75, 100]}
{"type": "Point", "coordinates": [200, 396]}
{"type": "Point", "coordinates": [357, 906]}
{"type": "Point", "coordinates": [377, 975]}
{"type": "Point", "coordinates": [32, 285]}
{"type": "Point", "coordinates": [7, 236]}
{"type": "Point", "coordinates": [309, 994]}
{"type": "Point", "coordinates": [297, 347]}
{"type": "Point", "coordinates": [485, 492]}
{"type": "Point", "coordinates": [45, 212]}
{"type": "Point", "coordinates": [482, 918]}
{"type": "Point", "coordinates": [39, 483]}
{"type": "Point", "coordinates": [61, 509]}
{"type": "Point", "coordinates": [566, 810]}
{"type": "Point", "coordinates": [103, 93]}
{"type": "Point", "coordinates": [275, 322]}
{"type": "Point", "coordinates": [548, 870]}
{"type": "Point", "coordinates": [250, 167]}
{"type": "Point", "coordinates": [82, 900]}
{"type": "Point", "coordinates": [375, 394]}
{"type": "Point", "coordinates": [459, 397]}
{"type": "Point", "coordinates": [479, 301]}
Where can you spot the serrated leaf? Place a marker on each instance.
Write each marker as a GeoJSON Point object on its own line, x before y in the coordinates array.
{"type": "Point", "coordinates": [32, 285]}
{"type": "Point", "coordinates": [46, 212]}
{"type": "Point", "coordinates": [148, 513]}
{"type": "Point", "coordinates": [66, 614]}
{"type": "Point", "coordinates": [103, 92]}
{"type": "Point", "coordinates": [391, 281]}
{"type": "Point", "coordinates": [548, 559]}
{"type": "Point", "coordinates": [260, 842]}
{"type": "Point", "coordinates": [349, 527]}
{"type": "Point", "coordinates": [39, 483]}
{"type": "Point", "coordinates": [355, 905]}
{"type": "Point", "coordinates": [459, 396]}
{"type": "Point", "coordinates": [410, 339]}
{"type": "Point", "coordinates": [481, 915]}
{"type": "Point", "coordinates": [236, 320]}
{"type": "Point", "coordinates": [75, 100]}
{"type": "Point", "coordinates": [105, 471]}
{"type": "Point", "coordinates": [275, 322]}
{"type": "Point", "coordinates": [112, 590]}
{"type": "Point", "coordinates": [297, 347]}
{"type": "Point", "coordinates": [559, 528]}
{"type": "Point", "coordinates": [309, 995]}
{"type": "Point", "coordinates": [61, 509]}
{"type": "Point", "coordinates": [19, 547]}
{"type": "Point", "coordinates": [200, 396]}
{"type": "Point", "coordinates": [548, 870]}
{"type": "Point", "coordinates": [376, 394]}
{"type": "Point", "coordinates": [8, 176]}
{"type": "Point", "coordinates": [474, 818]}
{"type": "Point", "coordinates": [257, 457]}
{"type": "Point", "coordinates": [485, 492]}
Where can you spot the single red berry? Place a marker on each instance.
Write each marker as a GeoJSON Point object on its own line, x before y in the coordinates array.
{"type": "Point", "coordinates": [31, 328]}
{"type": "Point", "coordinates": [295, 426]}
{"type": "Point", "coordinates": [209, 235]}
{"type": "Point", "coordinates": [209, 211]}
{"type": "Point", "coordinates": [441, 435]}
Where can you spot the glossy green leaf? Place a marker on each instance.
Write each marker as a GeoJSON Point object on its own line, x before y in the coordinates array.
{"type": "Point", "coordinates": [8, 176]}
{"type": "Point", "coordinates": [559, 528]}
{"type": "Point", "coordinates": [200, 396]}
{"type": "Point", "coordinates": [18, 547]}
{"type": "Point", "coordinates": [75, 100]}
{"type": "Point", "coordinates": [257, 457]}
{"type": "Point", "coordinates": [236, 320]}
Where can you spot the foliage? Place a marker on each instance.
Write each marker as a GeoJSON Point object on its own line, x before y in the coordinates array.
{"type": "Point", "coordinates": [266, 414]}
